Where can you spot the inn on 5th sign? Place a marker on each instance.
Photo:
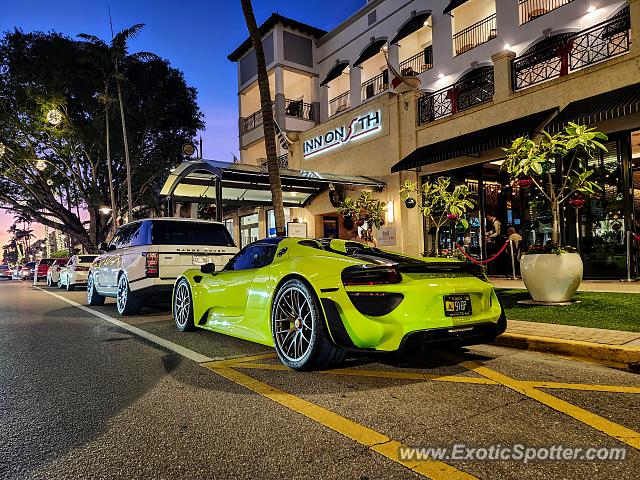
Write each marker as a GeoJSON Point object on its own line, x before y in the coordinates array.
{"type": "Point", "coordinates": [358, 128]}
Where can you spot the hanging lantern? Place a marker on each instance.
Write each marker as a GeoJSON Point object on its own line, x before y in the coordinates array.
{"type": "Point", "coordinates": [453, 216]}
{"type": "Point", "coordinates": [525, 182]}
{"type": "Point", "coordinates": [410, 202]}
{"type": "Point", "coordinates": [577, 202]}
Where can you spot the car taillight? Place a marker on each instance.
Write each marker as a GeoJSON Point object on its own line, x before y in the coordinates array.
{"type": "Point", "coordinates": [151, 264]}
{"type": "Point", "coordinates": [370, 275]}
{"type": "Point", "coordinates": [58, 269]}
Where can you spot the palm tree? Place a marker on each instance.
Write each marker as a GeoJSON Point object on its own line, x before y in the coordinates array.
{"type": "Point", "coordinates": [119, 51]}
{"type": "Point", "coordinates": [267, 117]}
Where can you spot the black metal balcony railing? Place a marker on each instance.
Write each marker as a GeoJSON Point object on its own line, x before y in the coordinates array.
{"type": "Point", "coordinates": [566, 53]}
{"type": "Point", "coordinates": [375, 85]}
{"type": "Point", "coordinates": [420, 62]}
{"type": "Point", "coordinates": [474, 88]}
{"type": "Point", "coordinates": [339, 103]}
{"type": "Point", "coordinates": [297, 108]}
{"type": "Point", "coordinates": [283, 161]}
{"type": "Point", "coordinates": [252, 121]}
{"type": "Point", "coordinates": [532, 9]}
{"type": "Point", "coordinates": [477, 34]}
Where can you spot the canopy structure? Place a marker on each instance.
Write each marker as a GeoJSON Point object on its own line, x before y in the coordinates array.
{"type": "Point", "coordinates": [415, 23]}
{"type": "Point", "coordinates": [473, 143]}
{"type": "Point", "coordinates": [453, 4]}
{"type": "Point", "coordinates": [599, 108]}
{"type": "Point", "coordinates": [232, 185]}
{"type": "Point", "coordinates": [370, 50]}
{"type": "Point", "coordinates": [335, 72]}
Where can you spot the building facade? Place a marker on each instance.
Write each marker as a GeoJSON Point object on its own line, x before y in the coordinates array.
{"type": "Point", "coordinates": [489, 71]}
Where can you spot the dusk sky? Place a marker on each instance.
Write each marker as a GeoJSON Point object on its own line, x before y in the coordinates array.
{"type": "Point", "coordinates": [195, 36]}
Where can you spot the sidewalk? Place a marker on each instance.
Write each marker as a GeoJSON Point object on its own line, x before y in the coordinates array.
{"type": "Point", "coordinates": [613, 348]}
{"type": "Point", "coordinates": [615, 286]}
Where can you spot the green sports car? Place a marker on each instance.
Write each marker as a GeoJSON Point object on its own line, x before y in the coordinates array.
{"type": "Point", "coordinates": [314, 300]}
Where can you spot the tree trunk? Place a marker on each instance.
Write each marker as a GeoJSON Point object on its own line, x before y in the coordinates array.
{"type": "Point", "coordinates": [555, 233]}
{"type": "Point", "coordinates": [108, 145]}
{"type": "Point", "coordinates": [126, 146]}
{"type": "Point", "coordinates": [437, 249]}
{"type": "Point", "coordinates": [267, 118]}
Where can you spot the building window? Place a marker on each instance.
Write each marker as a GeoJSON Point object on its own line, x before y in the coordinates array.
{"type": "Point", "coordinates": [248, 229]}
{"type": "Point", "coordinates": [228, 223]}
{"type": "Point", "coordinates": [271, 221]}
{"type": "Point", "coordinates": [372, 17]}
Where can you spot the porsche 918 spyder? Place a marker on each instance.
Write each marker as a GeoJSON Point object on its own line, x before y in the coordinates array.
{"type": "Point", "coordinates": [315, 300]}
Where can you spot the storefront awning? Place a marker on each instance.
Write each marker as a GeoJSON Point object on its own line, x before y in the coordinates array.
{"type": "Point", "coordinates": [453, 4]}
{"type": "Point", "coordinates": [473, 143]}
{"type": "Point", "coordinates": [412, 25]}
{"type": "Point", "coordinates": [606, 106]}
{"type": "Point", "coordinates": [335, 72]}
{"type": "Point", "coordinates": [370, 50]}
{"type": "Point", "coordinates": [248, 186]}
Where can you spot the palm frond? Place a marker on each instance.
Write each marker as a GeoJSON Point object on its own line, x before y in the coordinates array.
{"type": "Point", "coordinates": [145, 56]}
{"type": "Point", "coordinates": [92, 39]}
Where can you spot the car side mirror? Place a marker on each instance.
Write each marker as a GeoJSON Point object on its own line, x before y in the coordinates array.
{"type": "Point", "coordinates": [209, 268]}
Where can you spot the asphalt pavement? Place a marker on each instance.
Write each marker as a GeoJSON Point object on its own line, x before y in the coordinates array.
{"type": "Point", "coordinates": [85, 396]}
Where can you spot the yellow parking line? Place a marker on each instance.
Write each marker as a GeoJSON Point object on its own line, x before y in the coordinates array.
{"type": "Point", "coordinates": [623, 434]}
{"type": "Point", "coordinates": [372, 439]}
{"type": "Point", "coordinates": [584, 387]}
{"type": "Point", "coordinates": [375, 373]}
{"type": "Point", "coordinates": [233, 360]}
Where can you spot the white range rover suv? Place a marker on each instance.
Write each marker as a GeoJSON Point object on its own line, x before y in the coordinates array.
{"type": "Point", "coordinates": [144, 258]}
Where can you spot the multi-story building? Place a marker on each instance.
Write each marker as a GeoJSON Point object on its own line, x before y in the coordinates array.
{"type": "Point", "coordinates": [489, 71]}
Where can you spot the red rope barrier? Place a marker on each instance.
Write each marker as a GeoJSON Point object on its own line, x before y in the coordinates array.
{"type": "Point", "coordinates": [481, 262]}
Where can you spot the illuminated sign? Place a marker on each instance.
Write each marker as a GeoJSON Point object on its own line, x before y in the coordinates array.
{"type": "Point", "coordinates": [358, 128]}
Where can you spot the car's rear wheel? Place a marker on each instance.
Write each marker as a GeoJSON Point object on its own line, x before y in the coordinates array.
{"type": "Point", "coordinates": [93, 297]}
{"type": "Point", "coordinates": [299, 333]}
{"type": "Point", "coordinates": [126, 302]}
{"type": "Point", "coordinates": [69, 286]}
{"type": "Point", "coordinates": [183, 306]}
{"type": "Point", "coordinates": [60, 283]}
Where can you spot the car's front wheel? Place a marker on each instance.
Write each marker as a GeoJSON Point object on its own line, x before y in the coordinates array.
{"type": "Point", "coordinates": [183, 306]}
{"type": "Point", "coordinates": [93, 297]}
{"type": "Point", "coordinates": [126, 302]}
{"type": "Point", "coordinates": [299, 333]}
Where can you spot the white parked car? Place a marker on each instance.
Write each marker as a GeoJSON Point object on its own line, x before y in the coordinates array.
{"type": "Point", "coordinates": [145, 258]}
{"type": "Point", "coordinates": [53, 274]}
{"type": "Point", "coordinates": [75, 272]}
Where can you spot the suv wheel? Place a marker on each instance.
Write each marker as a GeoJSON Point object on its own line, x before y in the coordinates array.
{"type": "Point", "coordinates": [126, 302]}
{"type": "Point", "coordinates": [93, 297]}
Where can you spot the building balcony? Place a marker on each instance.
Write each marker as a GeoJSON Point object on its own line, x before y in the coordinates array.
{"type": "Point", "coordinates": [375, 86]}
{"type": "Point", "coordinates": [418, 63]}
{"type": "Point", "coordinates": [475, 35]}
{"type": "Point", "coordinates": [283, 162]}
{"type": "Point", "coordinates": [532, 9]}
{"type": "Point", "coordinates": [565, 53]}
{"type": "Point", "coordinates": [299, 109]}
{"type": "Point", "coordinates": [472, 89]}
{"type": "Point", "coordinates": [340, 103]}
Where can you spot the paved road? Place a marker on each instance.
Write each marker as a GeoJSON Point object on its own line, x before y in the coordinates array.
{"type": "Point", "coordinates": [84, 397]}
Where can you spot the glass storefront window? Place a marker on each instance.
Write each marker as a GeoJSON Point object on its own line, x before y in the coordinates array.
{"type": "Point", "coordinates": [228, 223]}
{"type": "Point", "coordinates": [271, 221]}
{"type": "Point", "coordinates": [248, 229]}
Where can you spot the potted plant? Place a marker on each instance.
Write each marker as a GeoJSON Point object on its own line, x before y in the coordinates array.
{"type": "Point", "coordinates": [366, 212]}
{"type": "Point", "coordinates": [553, 273]}
{"type": "Point", "coordinates": [440, 203]}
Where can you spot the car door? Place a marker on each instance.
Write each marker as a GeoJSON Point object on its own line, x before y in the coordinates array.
{"type": "Point", "coordinates": [229, 289]}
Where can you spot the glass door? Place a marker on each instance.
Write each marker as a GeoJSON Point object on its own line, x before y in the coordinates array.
{"type": "Point", "coordinates": [248, 229]}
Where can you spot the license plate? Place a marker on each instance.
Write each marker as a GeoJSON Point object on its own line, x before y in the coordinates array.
{"type": "Point", "coordinates": [201, 259]}
{"type": "Point", "coordinates": [457, 305]}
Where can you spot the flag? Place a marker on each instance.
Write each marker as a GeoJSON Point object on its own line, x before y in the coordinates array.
{"type": "Point", "coordinates": [283, 140]}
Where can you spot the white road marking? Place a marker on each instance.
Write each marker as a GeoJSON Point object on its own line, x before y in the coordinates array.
{"type": "Point", "coordinates": [179, 349]}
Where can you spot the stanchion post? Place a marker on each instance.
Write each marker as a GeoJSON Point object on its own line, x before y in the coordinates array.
{"type": "Point", "coordinates": [629, 239]}
{"type": "Point", "coordinates": [513, 260]}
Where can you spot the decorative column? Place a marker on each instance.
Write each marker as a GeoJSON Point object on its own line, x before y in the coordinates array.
{"type": "Point", "coordinates": [315, 99]}
{"type": "Point", "coordinates": [355, 84]}
{"type": "Point", "coordinates": [502, 74]}
{"type": "Point", "coordinates": [324, 103]}
{"type": "Point", "coordinates": [280, 96]}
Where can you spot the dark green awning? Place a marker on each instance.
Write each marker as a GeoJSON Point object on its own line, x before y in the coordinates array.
{"type": "Point", "coordinates": [412, 25]}
{"type": "Point", "coordinates": [335, 72]}
{"type": "Point", "coordinates": [371, 50]}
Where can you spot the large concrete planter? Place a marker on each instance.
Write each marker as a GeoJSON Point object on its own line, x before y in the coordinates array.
{"type": "Point", "coordinates": [551, 278]}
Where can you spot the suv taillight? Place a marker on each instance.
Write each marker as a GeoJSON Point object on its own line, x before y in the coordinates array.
{"type": "Point", "coordinates": [374, 275]}
{"type": "Point", "coordinates": [151, 264]}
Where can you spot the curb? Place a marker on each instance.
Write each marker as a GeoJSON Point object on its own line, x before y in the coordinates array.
{"type": "Point", "coordinates": [616, 356]}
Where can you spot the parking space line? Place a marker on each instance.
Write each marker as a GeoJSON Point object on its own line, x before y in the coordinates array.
{"type": "Point", "coordinates": [354, 372]}
{"type": "Point", "coordinates": [584, 386]}
{"type": "Point", "coordinates": [623, 434]}
{"type": "Point", "coordinates": [361, 434]}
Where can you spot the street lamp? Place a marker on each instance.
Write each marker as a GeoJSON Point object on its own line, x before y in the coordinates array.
{"type": "Point", "coordinates": [54, 117]}
{"type": "Point", "coordinates": [105, 210]}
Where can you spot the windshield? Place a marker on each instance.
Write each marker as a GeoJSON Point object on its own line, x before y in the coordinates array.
{"type": "Point", "coordinates": [86, 258]}
{"type": "Point", "coordinates": [167, 232]}
{"type": "Point", "coordinates": [47, 261]}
